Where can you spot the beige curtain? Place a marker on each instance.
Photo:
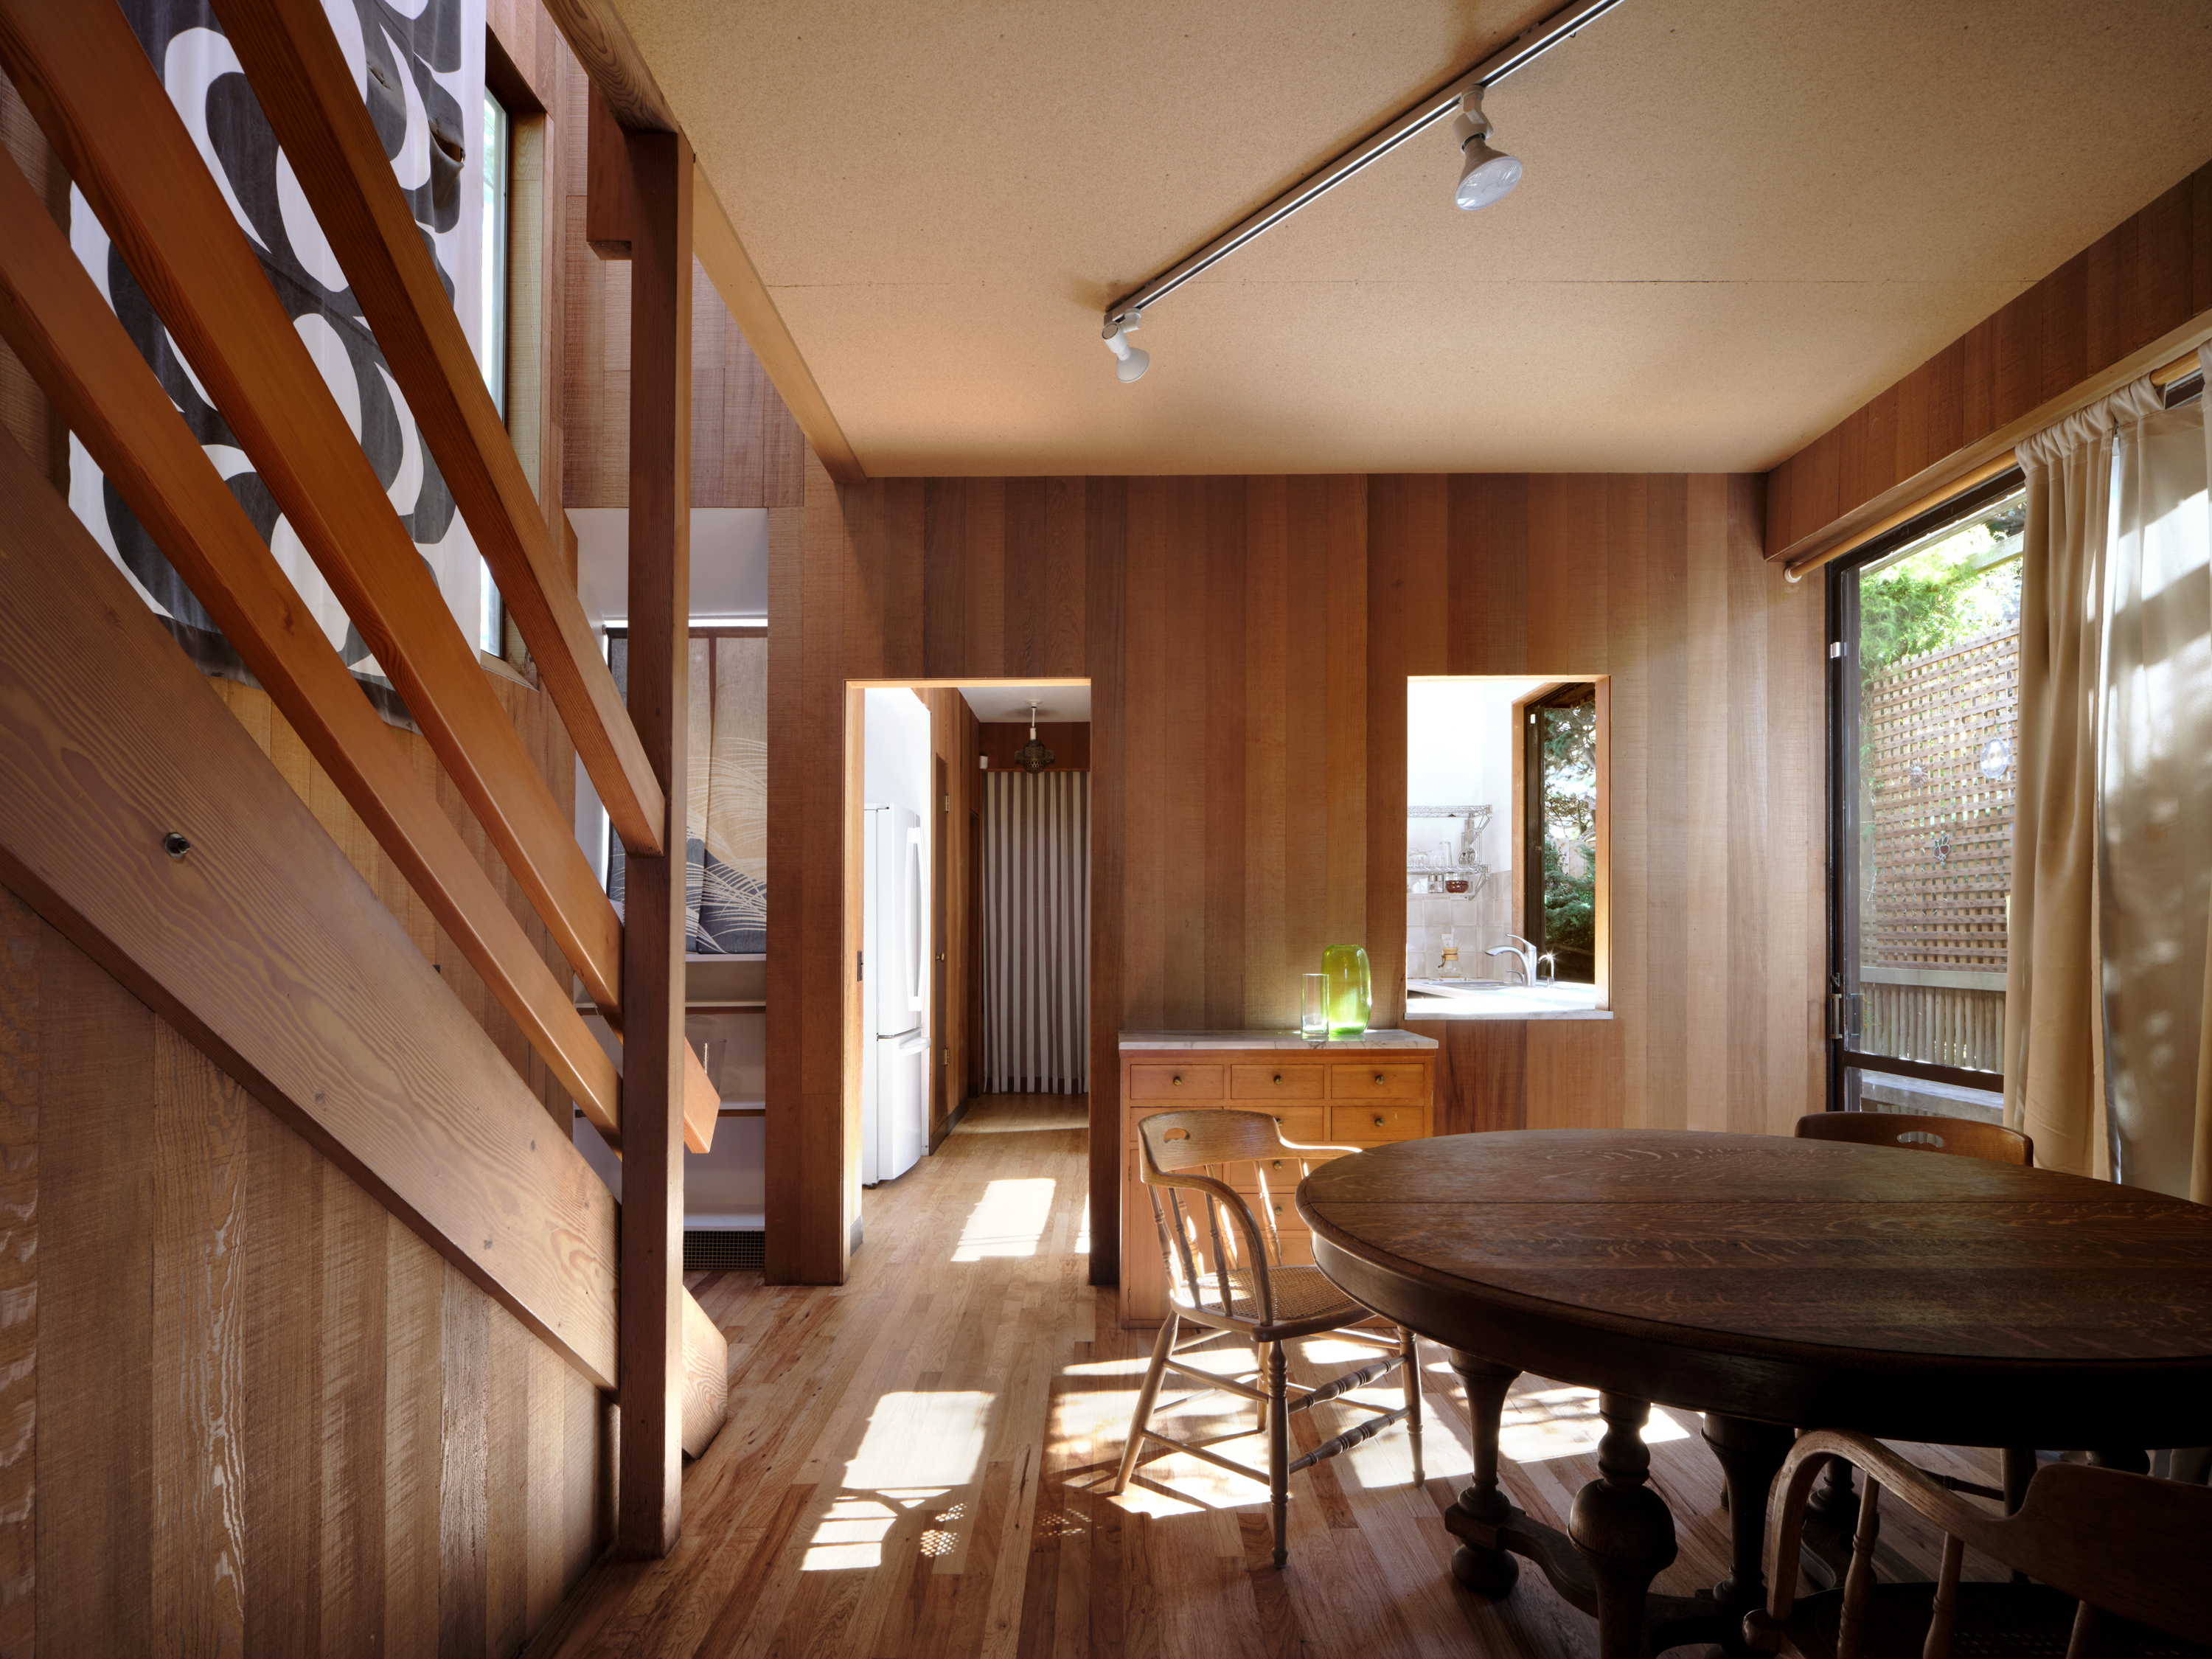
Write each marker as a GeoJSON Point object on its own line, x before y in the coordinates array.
{"type": "Point", "coordinates": [2200, 1162]}
{"type": "Point", "coordinates": [2054, 1083]}
{"type": "Point", "coordinates": [2154, 875]}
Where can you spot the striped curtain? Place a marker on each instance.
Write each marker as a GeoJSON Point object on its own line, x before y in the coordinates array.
{"type": "Point", "coordinates": [1037, 932]}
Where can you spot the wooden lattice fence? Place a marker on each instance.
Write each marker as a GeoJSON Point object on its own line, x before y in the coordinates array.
{"type": "Point", "coordinates": [1940, 732]}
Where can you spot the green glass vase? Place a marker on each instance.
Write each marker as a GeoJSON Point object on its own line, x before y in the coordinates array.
{"type": "Point", "coordinates": [1351, 989]}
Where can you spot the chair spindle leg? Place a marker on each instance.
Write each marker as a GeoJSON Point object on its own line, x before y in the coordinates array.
{"type": "Point", "coordinates": [1145, 1395]}
{"type": "Point", "coordinates": [1858, 1581]}
{"type": "Point", "coordinates": [1945, 1612]}
{"type": "Point", "coordinates": [1278, 1446]}
{"type": "Point", "coordinates": [1409, 1347]}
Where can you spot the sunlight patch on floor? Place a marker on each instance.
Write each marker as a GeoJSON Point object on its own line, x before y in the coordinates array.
{"type": "Point", "coordinates": [1083, 1233]}
{"type": "Point", "coordinates": [1009, 1219]}
{"type": "Point", "coordinates": [1562, 1422]}
{"type": "Point", "coordinates": [917, 1440]}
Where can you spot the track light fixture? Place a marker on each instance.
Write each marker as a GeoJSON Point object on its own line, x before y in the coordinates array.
{"type": "Point", "coordinates": [1134, 362]}
{"type": "Point", "coordinates": [1486, 175]}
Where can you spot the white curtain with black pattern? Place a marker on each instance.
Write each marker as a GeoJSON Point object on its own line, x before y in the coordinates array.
{"type": "Point", "coordinates": [418, 65]}
{"type": "Point", "coordinates": [1036, 883]}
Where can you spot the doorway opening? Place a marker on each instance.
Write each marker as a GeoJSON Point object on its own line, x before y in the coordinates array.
{"type": "Point", "coordinates": [966, 903]}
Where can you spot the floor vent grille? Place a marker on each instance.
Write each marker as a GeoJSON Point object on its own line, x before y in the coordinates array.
{"type": "Point", "coordinates": [719, 1251]}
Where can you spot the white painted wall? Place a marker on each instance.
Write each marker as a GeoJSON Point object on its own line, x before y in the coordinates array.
{"type": "Point", "coordinates": [1459, 752]}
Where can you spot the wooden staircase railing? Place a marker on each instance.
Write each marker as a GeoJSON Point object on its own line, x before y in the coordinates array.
{"type": "Point", "coordinates": [242, 962]}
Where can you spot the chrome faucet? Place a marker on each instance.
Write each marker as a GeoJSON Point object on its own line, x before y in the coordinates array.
{"type": "Point", "coordinates": [1524, 957]}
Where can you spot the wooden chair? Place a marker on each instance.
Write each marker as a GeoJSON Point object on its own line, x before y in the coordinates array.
{"type": "Point", "coordinates": [1991, 1142]}
{"type": "Point", "coordinates": [1965, 1138]}
{"type": "Point", "coordinates": [1231, 1279]}
{"type": "Point", "coordinates": [2115, 1553]}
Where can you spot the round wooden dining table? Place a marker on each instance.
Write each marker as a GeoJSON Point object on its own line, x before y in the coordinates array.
{"type": "Point", "coordinates": [1774, 1285]}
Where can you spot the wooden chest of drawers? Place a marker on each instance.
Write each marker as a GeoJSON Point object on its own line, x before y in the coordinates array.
{"type": "Point", "coordinates": [1338, 1096]}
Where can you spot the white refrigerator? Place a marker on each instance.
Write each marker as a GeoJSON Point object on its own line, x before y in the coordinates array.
{"type": "Point", "coordinates": [894, 995]}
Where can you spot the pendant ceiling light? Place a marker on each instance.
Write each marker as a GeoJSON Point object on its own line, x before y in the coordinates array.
{"type": "Point", "coordinates": [1034, 756]}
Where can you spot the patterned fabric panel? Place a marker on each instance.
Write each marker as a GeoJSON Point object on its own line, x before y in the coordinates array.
{"type": "Point", "coordinates": [726, 796]}
{"type": "Point", "coordinates": [420, 68]}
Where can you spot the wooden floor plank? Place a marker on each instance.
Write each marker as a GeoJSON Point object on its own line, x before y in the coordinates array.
{"type": "Point", "coordinates": [857, 1507]}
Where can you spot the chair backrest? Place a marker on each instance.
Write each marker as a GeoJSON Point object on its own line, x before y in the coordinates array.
{"type": "Point", "coordinates": [2124, 1544]}
{"type": "Point", "coordinates": [1209, 1235]}
{"type": "Point", "coordinates": [1969, 1139]}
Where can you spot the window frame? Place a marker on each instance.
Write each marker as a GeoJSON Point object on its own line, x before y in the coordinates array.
{"type": "Point", "coordinates": [1529, 817]}
{"type": "Point", "coordinates": [1840, 1022]}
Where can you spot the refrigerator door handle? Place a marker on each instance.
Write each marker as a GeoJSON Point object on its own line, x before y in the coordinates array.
{"type": "Point", "coordinates": [917, 991]}
{"type": "Point", "coordinates": [914, 1044]}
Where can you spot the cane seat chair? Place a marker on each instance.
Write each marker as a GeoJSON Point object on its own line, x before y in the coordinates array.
{"type": "Point", "coordinates": [1226, 1274]}
{"type": "Point", "coordinates": [1915, 1130]}
{"type": "Point", "coordinates": [2120, 1559]}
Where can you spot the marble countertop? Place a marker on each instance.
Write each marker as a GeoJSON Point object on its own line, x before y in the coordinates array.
{"type": "Point", "coordinates": [1180, 1039]}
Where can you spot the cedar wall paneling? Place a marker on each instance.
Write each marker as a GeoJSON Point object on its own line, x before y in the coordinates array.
{"type": "Point", "coordinates": [1247, 641]}
{"type": "Point", "coordinates": [547, 741]}
{"type": "Point", "coordinates": [746, 451]}
{"type": "Point", "coordinates": [2146, 277]}
{"type": "Point", "coordinates": [248, 1410]}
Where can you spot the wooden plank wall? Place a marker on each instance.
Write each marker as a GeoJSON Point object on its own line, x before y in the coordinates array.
{"type": "Point", "coordinates": [746, 451]}
{"type": "Point", "coordinates": [1247, 641]}
{"type": "Point", "coordinates": [2147, 276]}
{"type": "Point", "coordinates": [247, 1409]}
{"type": "Point", "coordinates": [1718, 717]}
{"type": "Point", "coordinates": [534, 716]}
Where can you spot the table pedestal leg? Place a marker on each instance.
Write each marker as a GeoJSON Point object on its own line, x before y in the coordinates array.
{"type": "Point", "coordinates": [1750, 1456]}
{"type": "Point", "coordinates": [1622, 1528]}
{"type": "Point", "coordinates": [1485, 1571]}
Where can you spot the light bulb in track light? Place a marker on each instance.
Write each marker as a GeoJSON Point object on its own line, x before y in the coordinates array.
{"type": "Point", "coordinates": [1486, 175]}
{"type": "Point", "coordinates": [1133, 361]}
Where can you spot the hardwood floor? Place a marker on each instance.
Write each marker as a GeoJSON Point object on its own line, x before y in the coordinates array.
{"type": "Point", "coordinates": [915, 1465]}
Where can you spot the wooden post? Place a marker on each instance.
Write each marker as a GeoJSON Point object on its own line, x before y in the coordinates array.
{"type": "Point", "coordinates": [649, 1304]}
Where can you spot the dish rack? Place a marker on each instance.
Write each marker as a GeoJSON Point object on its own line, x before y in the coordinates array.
{"type": "Point", "coordinates": [1476, 875]}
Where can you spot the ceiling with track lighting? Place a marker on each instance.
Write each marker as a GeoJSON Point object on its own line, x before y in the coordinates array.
{"type": "Point", "coordinates": [1739, 218]}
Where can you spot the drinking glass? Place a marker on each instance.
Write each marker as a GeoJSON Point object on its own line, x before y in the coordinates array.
{"type": "Point", "coordinates": [1313, 1009]}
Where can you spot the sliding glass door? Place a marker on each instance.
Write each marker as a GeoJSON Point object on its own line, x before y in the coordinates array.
{"type": "Point", "coordinates": [1923, 661]}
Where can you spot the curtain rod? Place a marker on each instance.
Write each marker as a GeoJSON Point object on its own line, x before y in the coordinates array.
{"type": "Point", "coordinates": [2179, 369]}
{"type": "Point", "coordinates": [1531, 44]}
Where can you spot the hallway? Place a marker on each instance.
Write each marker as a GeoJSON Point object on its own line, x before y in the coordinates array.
{"type": "Point", "coordinates": [914, 1465]}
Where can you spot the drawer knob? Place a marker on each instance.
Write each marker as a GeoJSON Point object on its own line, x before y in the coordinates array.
{"type": "Point", "coordinates": [1278, 1076]}
{"type": "Point", "coordinates": [1378, 1120]}
{"type": "Point", "coordinates": [1177, 1078]}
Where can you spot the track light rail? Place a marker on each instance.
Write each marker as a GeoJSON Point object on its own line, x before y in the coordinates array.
{"type": "Point", "coordinates": [1437, 106]}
